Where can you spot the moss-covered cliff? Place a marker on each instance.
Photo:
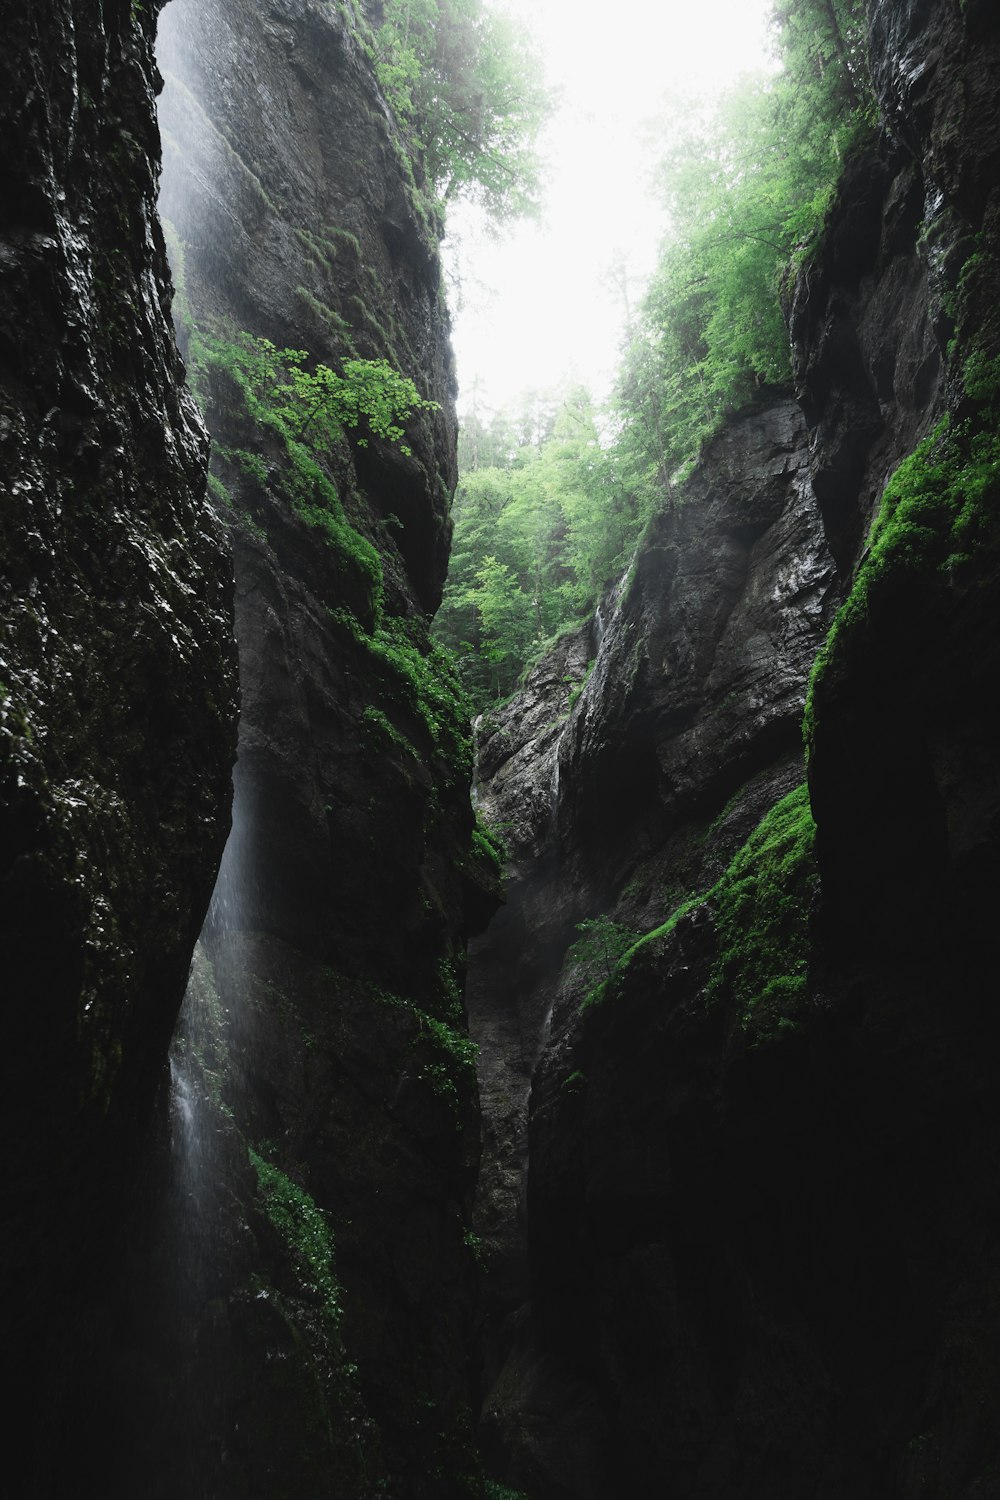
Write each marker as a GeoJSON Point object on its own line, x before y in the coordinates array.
{"type": "Point", "coordinates": [265, 1284]}
{"type": "Point", "coordinates": [338, 1069]}
{"type": "Point", "coordinates": [762, 1142]}
{"type": "Point", "coordinates": [738, 1195]}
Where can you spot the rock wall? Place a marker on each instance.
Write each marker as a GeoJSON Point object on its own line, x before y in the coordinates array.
{"type": "Point", "coordinates": [117, 672]}
{"type": "Point", "coordinates": [762, 1145]}
{"type": "Point", "coordinates": [332, 1134]}
{"type": "Point", "coordinates": [681, 734]}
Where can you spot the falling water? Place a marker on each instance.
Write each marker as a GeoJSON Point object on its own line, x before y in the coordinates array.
{"type": "Point", "coordinates": [474, 793]}
{"type": "Point", "coordinates": [208, 1065]}
{"type": "Point", "coordinates": [599, 627]}
{"type": "Point", "coordinates": [554, 793]}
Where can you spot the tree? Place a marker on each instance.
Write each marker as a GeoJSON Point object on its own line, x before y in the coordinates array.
{"type": "Point", "coordinates": [553, 512]}
{"type": "Point", "coordinates": [505, 622]}
{"type": "Point", "coordinates": [464, 81]}
{"type": "Point", "coordinates": [747, 189]}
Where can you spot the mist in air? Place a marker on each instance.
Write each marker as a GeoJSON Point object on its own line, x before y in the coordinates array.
{"type": "Point", "coordinates": [547, 302]}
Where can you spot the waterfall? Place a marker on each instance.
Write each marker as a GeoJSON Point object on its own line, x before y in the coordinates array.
{"type": "Point", "coordinates": [474, 791]}
{"type": "Point", "coordinates": [599, 627]}
{"type": "Point", "coordinates": [209, 1063]}
{"type": "Point", "coordinates": [554, 792]}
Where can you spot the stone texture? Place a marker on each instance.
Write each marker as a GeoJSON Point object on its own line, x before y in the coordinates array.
{"type": "Point", "coordinates": [688, 720]}
{"type": "Point", "coordinates": [301, 220]}
{"type": "Point", "coordinates": [117, 680]}
{"type": "Point", "coordinates": [760, 1265]}
{"type": "Point", "coordinates": [336, 938]}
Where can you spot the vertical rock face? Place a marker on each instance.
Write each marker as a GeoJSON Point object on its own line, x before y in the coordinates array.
{"type": "Point", "coordinates": [617, 808]}
{"type": "Point", "coordinates": [117, 673]}
{"type": "Point", "coordinates": [763, 1145]}
{"type": "Point", "coordinates": [334, 950]}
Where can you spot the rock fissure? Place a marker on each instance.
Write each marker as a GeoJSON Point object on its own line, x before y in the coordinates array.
{"type": "Point", "coordinates": [718, 1218]}
{"type": "Point", "coordinates": [709, 1204]}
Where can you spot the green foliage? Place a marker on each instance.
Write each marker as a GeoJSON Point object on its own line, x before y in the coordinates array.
{"type": "Point", "coordinates": [304, 1229]}
{"type": "Point", "coordinates": [386, 732]}
{"type": "Point", "coordinates": [319, 403]}
{"type": "Point", "coordinates": [761, 909]}
{"type": "Point", "coordinates": [489, 846]}
{"type": "Point", "coordinates": [464, 82]}
{"type": "Point", "coordinates": [426, 679]}
{"type": "Point", "coordinates": [549, 507]}
{"type": "Point", "coordinates": [541, 529]}
{"type": "Point", "coordinates": [599, 950]}
{"type": "Point", "coordinates": [747, 189]}
{"type": "Point", "coordinates": [938, 517]}
{"type": "Point", "coordinates": [575, 692]}
{"type": "Point", "coordinates": [303, 414]}
{"type": "Point", "coordinates": [450, 1069]}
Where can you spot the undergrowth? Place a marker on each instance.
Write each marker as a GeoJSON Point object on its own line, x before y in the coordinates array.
{"type": "Point", "coordinates": [760, 909]}
{"type": "Point", "coordinates": [303, 1228]}
{"type": "Point", "coordinates": [303, 415]}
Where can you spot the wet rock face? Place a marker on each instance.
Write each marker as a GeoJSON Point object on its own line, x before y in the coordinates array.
{"type": "Point", "coordinates": [934, 69]}
{"type": "Point", "coordinates": [606, 784]}
{"type": "Point", "coordinates": [294, 199]}
{"type": "Point", "coordinates": [117, 673]}
{"type": "Point", "coordinates": [869, 328]}
{"type": "Point", "coordinates": [336, 941]}
{"type": "Point", "coordinates": [700, 678]}
{"type": "Point", "coordinates": [758, 1263]}
{"type": "Point", "coordinates": [900, 754]}
{"type": "Point", "coordinates": [688, 684]}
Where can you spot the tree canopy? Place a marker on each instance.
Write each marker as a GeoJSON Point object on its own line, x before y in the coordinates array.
{"type": "Point", "coordinates": [747, 187]}
{"type": "Point", "coordinates": [544, 521]}
{"type": "Point", "coordinates": [553, 494]}
{"type": "Point", "coordinates": [465, 82]}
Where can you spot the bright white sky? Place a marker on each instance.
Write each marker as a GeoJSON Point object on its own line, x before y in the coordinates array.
{"type": "Point", "coordinates": [537, 308]}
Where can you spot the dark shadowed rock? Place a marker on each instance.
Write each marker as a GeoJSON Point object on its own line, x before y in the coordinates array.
{"type": "Point", "coordinates": [336, 938]}
{"type": "Point", "coordinates": [759, 1261]}
{"type": "Point", "coordinates": [688, 721]}
{"type": "Point", "coordinates": [117, 681]}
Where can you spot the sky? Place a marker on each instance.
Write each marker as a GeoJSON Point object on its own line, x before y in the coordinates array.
{"type": "Point", "coordinates": [538, 307]}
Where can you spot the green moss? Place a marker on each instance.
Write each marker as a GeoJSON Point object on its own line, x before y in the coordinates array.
{"type": "Point", "coordinates": [598, 952]}
{"type": "Point", "coordinates": [425, 677]}
{"type": "Point", "coordinates": [386, 733]}
{"type": "Point", "coordinates": [303, 1227]}
{"type": "Point", "coordinates": [575, 692]}
{"type": "Point", "coordinates": [335, 237]}
{"type": "Point", "coordinates": [450, 1070]}
{"type": "Point", "coordinates": [316, 252]}
{"type": "Point", "coordinates": [336, 324]}
{"type": "Point", "coordinates": [938, 523]}
{"type": "Point", "coordinates": [489, 846]}
{"type": "Point", "coordinates": [760, 908]}
{"type": "Point", "coordinates": [368, 317]}
{"type": "Point", "coordinates": [938, 516]}
{"type": "Point", "coordinates": [218, 491]}
{"type": "Point", "coordinates": [762, 905]}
